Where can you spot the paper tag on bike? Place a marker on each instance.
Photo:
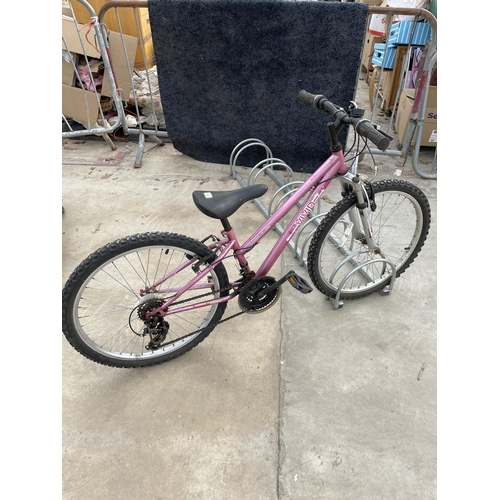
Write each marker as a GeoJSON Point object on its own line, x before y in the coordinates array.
{"type": "Point", "coordinates": [208, 195]}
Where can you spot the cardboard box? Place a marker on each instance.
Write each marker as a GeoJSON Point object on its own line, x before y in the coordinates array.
{"type": "Point", "coordinates": [399, 33]}
{"type": "Point", "coordinates": [128, 20]}
{"type": "Point", "coordinates": [370, 42]}
{"type": "Point", "coordinates": [378, 22]}
{"type": "Point", "coordinates": [390, 79]}
{"type": "Point", "coordinates": [123, 63]}
{"type": "Point", "coordinates": [66, 9]}
{"type": "Point", "coordinates": [380, 50]}
{"type": "Point", "coordinates": [76, 38]}
{"type": "Point", "coordinates": [76, 102]}
{"type": "Point", "coordinates": [429, 130]}
{"type": "Point", "coordinates": [80, 39]}
{"type": "Point", "coordinates": [69, 61]}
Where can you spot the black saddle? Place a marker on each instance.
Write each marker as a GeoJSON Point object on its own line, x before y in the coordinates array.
{"type": "Point", "coordinates": [222, 204]}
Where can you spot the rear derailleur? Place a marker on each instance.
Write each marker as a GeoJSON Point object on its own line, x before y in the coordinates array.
{"type": "Point", "coordinates": [157, 332]}
{"type": "Point", "coordinates": [156, 328]}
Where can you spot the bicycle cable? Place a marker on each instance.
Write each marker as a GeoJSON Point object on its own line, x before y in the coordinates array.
{"type": "Point", "coordinates": [210, 325]}
{"type": "Point", "coordinates": [365, 148]}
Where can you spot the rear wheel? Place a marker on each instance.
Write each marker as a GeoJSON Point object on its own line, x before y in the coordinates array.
{"type": "Point", "coordinates": [104, 312]}
{"type": "Point", "coordinates": [340, 258]}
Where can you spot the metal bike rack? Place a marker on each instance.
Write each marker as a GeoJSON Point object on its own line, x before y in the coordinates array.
{"type": "Point", "coordinates": [337, 303]}
{"type": "Point", "coordinates": [287, 185]}
{"type": "Point", "coordinates": [285, 189]}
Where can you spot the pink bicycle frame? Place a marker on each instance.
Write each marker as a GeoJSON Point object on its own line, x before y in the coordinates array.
{"type": "Point", "coordinates": [321, 179]}
{"type": "Point", "coordinates": [316, 184]}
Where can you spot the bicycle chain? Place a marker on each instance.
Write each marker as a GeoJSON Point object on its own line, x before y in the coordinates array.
{"type": "Point", "coordinates": [211, 325]}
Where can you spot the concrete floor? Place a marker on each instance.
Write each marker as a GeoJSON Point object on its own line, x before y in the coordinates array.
{"type": "Point", "coordinates": [300, 402]}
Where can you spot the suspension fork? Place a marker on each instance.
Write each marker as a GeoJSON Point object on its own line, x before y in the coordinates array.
{"type": "Point", "coordinates": [363, 231]}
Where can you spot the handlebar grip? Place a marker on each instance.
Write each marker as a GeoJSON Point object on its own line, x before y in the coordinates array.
{"type": "Point", "coordinates": [306, 97]}
{"type": "Point", "coordinates": [366, 129]}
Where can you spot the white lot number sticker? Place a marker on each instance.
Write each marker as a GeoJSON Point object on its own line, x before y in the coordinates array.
{"type": "Point", "coordinates": [434, 136]}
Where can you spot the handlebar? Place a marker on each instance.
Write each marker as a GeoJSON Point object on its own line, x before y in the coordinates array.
{"type": "Point", "coordinates": [361, 125]}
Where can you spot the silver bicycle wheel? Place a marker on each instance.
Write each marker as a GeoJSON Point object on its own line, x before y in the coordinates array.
{"type": "Point", "coordinates": [338, 256]}
{"type": "Point", "coordinates": [104, 308]}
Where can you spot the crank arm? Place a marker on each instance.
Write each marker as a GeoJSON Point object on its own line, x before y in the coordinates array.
{"type": "Point", "coordinates": [294, 279]}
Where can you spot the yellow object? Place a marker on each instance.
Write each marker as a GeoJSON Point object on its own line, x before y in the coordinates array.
{"type": "Point", "coordinates": [129, 23]}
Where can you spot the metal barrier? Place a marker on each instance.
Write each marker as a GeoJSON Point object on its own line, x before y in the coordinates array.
{"type": "Point", "coordinates": [429, 57]}
{"type": "Point", "coordinates": [133, 99]}
{"type": "Point", "coordinates": [84, 77]}
{"type": "Point", "coordinates": [144, 102]}
{"type": "Point", "coordinates": [123, 41]}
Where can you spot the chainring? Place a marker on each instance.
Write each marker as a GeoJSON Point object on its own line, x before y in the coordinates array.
{"type": "Point", "coordinates": [248, 300]}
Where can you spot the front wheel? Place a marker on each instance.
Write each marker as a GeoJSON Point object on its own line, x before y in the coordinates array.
{"type": "Point", "coordinates": [338, 255]}
{"type": "Point", "coordinates": [104, 310]}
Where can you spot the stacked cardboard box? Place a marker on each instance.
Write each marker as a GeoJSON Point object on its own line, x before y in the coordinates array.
{"type": "Point", "coordinates": [81, 104]}
{"type": "Point", "coordinates": [399, 34]}
{"type": "Point", "coordinates": [370, 42]}
{"type": "Point", "coordinates": [429, 130]}
{"type": "Point", "coordinates": [128, 20]}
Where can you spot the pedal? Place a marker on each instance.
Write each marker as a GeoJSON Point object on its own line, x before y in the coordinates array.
{"type": "Point", "coordinates": [298, 283]}
{"type": "Point", "coordinates": [295, 280]}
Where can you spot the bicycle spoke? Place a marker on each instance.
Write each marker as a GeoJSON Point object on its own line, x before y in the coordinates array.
{"type": "Point", "coordinates": [400, 224]}
{"type": "Point", "coordinates": [108, 315]}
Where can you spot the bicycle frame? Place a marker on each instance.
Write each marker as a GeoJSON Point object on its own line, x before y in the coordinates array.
{"type": "Point", "coordinates": [315, 185]}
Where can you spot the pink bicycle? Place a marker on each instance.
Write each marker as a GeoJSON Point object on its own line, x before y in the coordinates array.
{"type": "Point", "coordinates": [148, 298]}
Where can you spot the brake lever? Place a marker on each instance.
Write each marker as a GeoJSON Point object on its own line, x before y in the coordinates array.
{"type": "Point", "coordinates": [354, 111]}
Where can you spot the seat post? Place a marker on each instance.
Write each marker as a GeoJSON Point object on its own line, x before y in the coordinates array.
{"type": "Point", "coordinates": [244, 269]}
{"type": "Point", "coordinates": [226, 225]}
